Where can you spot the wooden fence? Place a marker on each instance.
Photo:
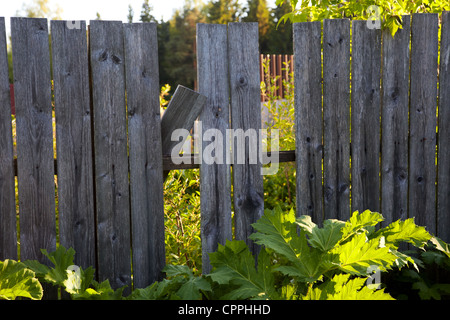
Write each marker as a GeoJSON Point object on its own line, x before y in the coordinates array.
{"type": "Point", "coordinates": [385, 151]}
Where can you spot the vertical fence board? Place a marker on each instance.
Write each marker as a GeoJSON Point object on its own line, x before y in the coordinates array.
{"type": "Point", "coordinates": [146, 171]}
{"type": "Point", "coordinates": [74, 143]}
{"type": "Point", "coordinates": [31, 59]}
{"type": "Point", "coordinates": [336, 108]}
{"type": "Point", "coordinates": [308, 119]}
{"type": "Point", "coordinates": [443, 218]}
{"type": "Point", "coordinates": [245, 114]}
{"type": "Point", "coordinates": [8, 238]}
{"type": "Point", "coordinates": [394, 124]}
{"type": "Point", "coordinates": [110, 152]}
{"type": "Point", "coordinates": [422, 168]}
{"type": "Point", "coordinates": [215, 178]}
{"type": "Point", "coordinates": [365, 117]}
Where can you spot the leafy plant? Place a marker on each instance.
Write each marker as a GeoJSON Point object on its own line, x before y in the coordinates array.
{"type": "Point", "coordinates": [331, 262]}
{"type": "Point", "coordinates": [16, 280]}
{"type": "Point", "coordinates": [390, 12]}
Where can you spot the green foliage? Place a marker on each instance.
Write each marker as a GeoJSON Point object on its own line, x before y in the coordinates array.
{"type": "Point", "coordinates": [390, 12]}
{"type": "Point", "coordinates": [182, 219]}
{"type": "Point", "coordinates": [297, 260]}
{"type": "Point", "coordinates": [329, 262]}
{"type": "Point", "coordinates": [16, 280]}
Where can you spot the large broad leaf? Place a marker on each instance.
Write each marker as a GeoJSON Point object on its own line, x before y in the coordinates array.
{"type": "Point", "coordinates": [233, 264]}
{"type": "Point", "coordinates": [278, 232]}
{"type": "Point", "coordinates": [404, 231]}
{"type": "Point", "coordinates": [190, 286]}
{"type": "Point", "coordinates": [358, 222]}
{"type": "Point", "coordinates": [324, 238]}
{"type": "Point", "coordinates": [16, 280]}
{"type": "Point", "coordinates": [341, 287]}
{"type": "Point", "coordinates": [61, 259]}
{"type": "Point", "coordinates": [358, 255]}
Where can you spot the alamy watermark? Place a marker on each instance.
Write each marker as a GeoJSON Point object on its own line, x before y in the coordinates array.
{"type": "Point", "coordinates": [73, 24]}
{"type": "Point", "coordinates": [234, 146]}
{"type": "Point", "coordinates": [374, 20]}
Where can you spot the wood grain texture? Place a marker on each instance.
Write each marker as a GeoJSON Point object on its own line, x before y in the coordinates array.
{"type": "Point", "coordinates": [336, 108]}
{"type": "Point", "coordinates": [74, 141]}
{"type": "Point", "coordinates": [443, 218]}
{"type": "Point", "coordinates": [365, 117]}
{"type": "Point", "coordinates": [308, 119]}
{"type": "Point", "coordinates": [8, 238]}
{"type": "Point", "coordinates": [215, 178]}
{"type": "Point", "coordinates": [146, 168]}
{"type": "Point", "coordinates": [32, 91]}
{"type": "Point", "coordinates": [394, 124]}
{"type": "Point", "coordinates": [183, 109]}
{"type": "Point", "coordinates": [423, 102]}
{"type": "Point", "coordinates": [111, 154]}
{"type": "Point", "coordinates": [244, 77]}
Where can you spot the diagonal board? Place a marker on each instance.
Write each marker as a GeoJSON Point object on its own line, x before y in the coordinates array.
{"type": "Point", "coordinates": [184, 107]}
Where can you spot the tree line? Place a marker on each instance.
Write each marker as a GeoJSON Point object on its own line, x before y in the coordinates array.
{"type": "Point", "coordinates": [177, 36]}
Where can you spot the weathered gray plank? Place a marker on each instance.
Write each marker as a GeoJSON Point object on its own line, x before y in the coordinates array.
{"type": "Point", "coordinates": [31, 62]}
{"type": "Point", "coordinates": [184, 107]}
{"type": "Point", "coordinates": [111, 160]}
{"type": "Point", "coordinates": [146, 168]}
{"type": "Point", "coordinates": [73, 141]}
{"type": "Point", "coordinates": [365, 117]}
{"type": "Point", "coordinates": [336, 108]}
{"type": "Point", "coordinates": [244, 78]}
{"type": "Point", "coordinates": [423, 95]}
{"type": "Point", "coordinates": [308, 119]}
{"type": "Point", "coordinates": [215, 178]}
{"type": "Point", "coordinates": [443, 218]}
{"type": "Point", "coordinates": [8, 238]}
{"type": "Point", "coordinates": [394, 123]}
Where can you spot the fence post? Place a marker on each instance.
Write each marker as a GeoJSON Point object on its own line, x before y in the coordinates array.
{"type": "Point", "coordinates": [145, 153]}
{"type": "Point", "coordinates": [31, 59]}
{"type": "Point", "coordinates": [8, 238]}
{"type": "Point", "coordinates": [215, 178]}
{"type": "Point", "coordinates": [73, 141]}
{"type": "Point", "coordinates": [308, 119]}
{"type": "Point", "coordinates": [336, 108]}
{"type": "Point", "coordinates": [394, 124]}
{"type": "Point", "coordinates": [365, 117]}
{"type": "Point", "coordinates": [422, 152]}
{"type": "Point", "coordinates": [111, 154]}
{"type": "Point", "coordinates": [443, 219]}
{"type": "Point", "coordinates": [245, 114]}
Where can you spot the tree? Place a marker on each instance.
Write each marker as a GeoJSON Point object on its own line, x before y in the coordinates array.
{"type": "Point", "coordinates": [257, 11]}
{"type": "Point", "coordinates": [40, 9]}
{"type": "Point", "coordinates": [146, 12]}
{"type": "Point", "coordinates": [130, 14]}
{"type": "Point", "coordinates": [180, 57]}
{"type": "Point", "coordinates": [223, 11]}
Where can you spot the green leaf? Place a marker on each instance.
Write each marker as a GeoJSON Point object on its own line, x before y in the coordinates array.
{"type": "Point", "coordinates": [341, 287]}
{"type": "Point", "coordinates": [324, 238]}
{"type": "Point", "coordinates": [359, 222]}
{"type": "Point", "coordinates": [358, 255]}
{"type": "Point", "coordinates": [61, 258]}
{"type": "Point", "coordinates": [404, 231]}
{"type": "Point", "coordinates": [190, 286]}
{"type": "Point", "coordinates": [441, 245]}
{"type": "Point", "coordinates": [16, 280]}
{"type": "Point", "coordinates": [278, 232]}
{"type": "Point", "coordinates": [234, 264]}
